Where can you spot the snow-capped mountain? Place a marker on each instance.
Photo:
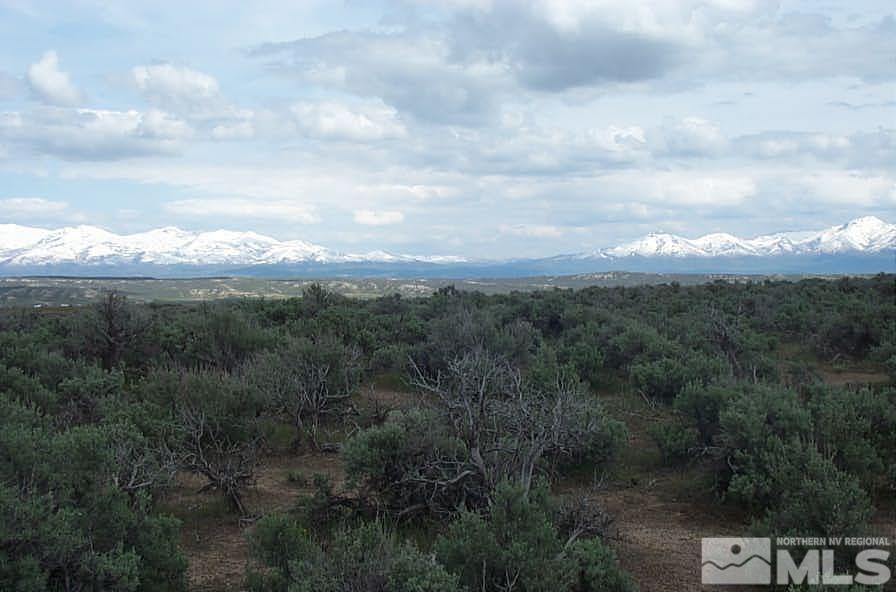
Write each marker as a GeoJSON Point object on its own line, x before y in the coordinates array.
{"type": "Point", "coordinates": [88, 245]}
{"type": "Point", "coordinates": [862, 235]}
{"type": "Point", "coordinates": [863, 245]}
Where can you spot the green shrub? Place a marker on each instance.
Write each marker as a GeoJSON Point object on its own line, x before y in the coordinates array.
{"type": "Point", "coordinates": [516, 541]}
{"type": "Point", "coordinates": [858, 429]}
{"type": "Point", "coordinates": [365, 557]}
{"type": "Point", "coordinates": [702, 404]}
{"type": "Point", "coordinates": [306, 380]}
{"type": "Point", "coordinates": [761, 414]}
{"type": "Point", "coordinates": [68, 520]}
{"type": "Point", "coordinates": [596, 568]}
{"type": "Point", "coordinates": [399, 464]}
{"type": "Point", "coordinates": [808, 495]}
{"type": "Point", "coordinates": [662, 379]}
{"type": "Point", "coordinates": [675, 441]}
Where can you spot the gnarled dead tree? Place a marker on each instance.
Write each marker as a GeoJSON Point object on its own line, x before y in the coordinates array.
{"type": "Point", "coordinates": [227, 463]}
{"type": "Point", "coordinates": [216, 430]}
{"type": "Point", "coordinates": [115, 326]}
{"type": "Point", "coordinates": [141, 465]}
{"type": "Point", "coordinates": [307, 381]}
{"type": "Point", "coordinates": [511, 425]}
{"type": "Point", "coordinates": [488, 425]}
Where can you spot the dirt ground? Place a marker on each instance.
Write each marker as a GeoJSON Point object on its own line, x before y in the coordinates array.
{"type": "Point", "coordinates": [852, 378]}
{"type": "Point", "coordinates": [214, 538]}
{"type": "Point", "coordinates": [660, 514]}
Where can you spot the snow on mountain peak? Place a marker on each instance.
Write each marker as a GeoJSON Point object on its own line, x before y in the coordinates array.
{"type": "Point", "coordinates": [13, 236]}
{"type": "Point", "coordinates": [89, 245]}
{"type": "Point", "coordinates": [868, 234]}
{"type": "Point", "coordinates": [22, 245]}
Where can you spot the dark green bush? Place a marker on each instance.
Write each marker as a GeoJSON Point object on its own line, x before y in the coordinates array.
{"type": "Point", "coordinates": [857, 429]}
{"type": "Point", "coordinates": [412, 461]}
{"type": "Point", "coordinates": [702, 404]}
{"type": "Point", "coordinates": [807, 494]}
{"type": "Point", "coordinates": [517, 542]}
{"type": "Point", "coordinates": [68, 521]}
{"type": "Point", "coordinates": [664, 378]}
{"type": "Point", "coordinates": [365, 557]}
{"type": "Point", "coordinates": [675, 441]}
{"type": "Point", "coordinates": [784, 472]}
{"type": "Point", "coordinates": [596, 568]}
{"type": "Point", "coordinates": [306, 380]}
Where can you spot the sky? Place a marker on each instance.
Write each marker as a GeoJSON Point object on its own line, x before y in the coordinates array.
{"type": "Point", "coordinates": [483, 128]}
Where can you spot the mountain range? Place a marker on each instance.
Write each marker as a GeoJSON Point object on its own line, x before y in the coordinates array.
{"type": "Point", "coordinates": [864, 245]}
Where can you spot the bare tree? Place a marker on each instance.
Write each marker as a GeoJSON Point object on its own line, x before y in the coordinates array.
{"type": "Point", "coordinates": [307, 381]}
{"type": "Point", "coordinates": [228, 463]}
{"type": "Point", "coordinates": [141, 466]}
{"type": "Point", "coordinates": [510, 426]}
{"type": "Point", "coordinates": [216, 431]}
{"type": "Point", "coordinates": [116, 326]}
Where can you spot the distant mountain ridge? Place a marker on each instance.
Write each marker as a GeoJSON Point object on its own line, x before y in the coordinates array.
{"type": "Point", "coordinates": [863, 235]}
{"type": "Point", "coordinates": [89, 245]}
{"type": "Point", "coordinates": [863, 245]}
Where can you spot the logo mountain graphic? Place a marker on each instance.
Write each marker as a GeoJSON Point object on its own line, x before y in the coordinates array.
{"type": "Point", "coordinates": [736, 561]}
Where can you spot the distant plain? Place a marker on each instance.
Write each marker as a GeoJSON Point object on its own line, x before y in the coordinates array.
{"type": "Point", "coordinates": [75, 291]}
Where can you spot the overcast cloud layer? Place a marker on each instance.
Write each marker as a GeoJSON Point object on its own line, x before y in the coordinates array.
{"type": "Point", "coordinates": [471, 127]}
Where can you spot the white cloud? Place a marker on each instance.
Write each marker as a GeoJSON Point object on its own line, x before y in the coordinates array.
{"type": "Point", "coordinates": [50, 84]}
{"type": "Point", "coordinates": [30, 206]}
{"type": "Point", "coordinates": [692, 136]}
{"type": "Point", "coordinates": [237, 130]}
{"type": "Point", "coordinates": [531, 230]}
{"type": "Point", "coordinates": [851, 187]}
{"type": "Point", "coordinates": [258, 209]}
{"type": "Point", "coordinates": [176, 88]}
{"type": "Point", "coordinates": [361, 123]}
{"type": "Point", "coordinates": [371, 218]}
{"type": "Point", "coordinates": [37, 210]}
{"type": "Point", "coordinates": [685, 188]}
{"type": "Point", "coordinates": [678, 188]}
{"type": "Point", "coordinates": [619, 143]}
{"type": "Point", "coordinates": [93, 134]}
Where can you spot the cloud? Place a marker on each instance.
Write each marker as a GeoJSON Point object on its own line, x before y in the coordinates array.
{"type": "Point", "coordinates": [850, 187]}
{"type": "Point", "coordinates": [805, 46]}
{"type": "Point", "coordinates": [174, 88]}
{"type": "Point", "coordinates": [410, 70]}
{"type": "Point", "coordinates": [234, 130]}
{"type": "Point", "coordinates": [458, 64]}
{"type": "Point", "coordinates": [371, 218]}
{"type": "Point", "coordinates": [30, 206]}
{"type": "Point", "coordinates": [51, 85]}
{"type": "Point", "coordinates": [676, 189]}
{"type": "Point", "coordinates": [37, 210]}
{"type": "Point", "coordinates": [531, 230]}
{"type": "Point", "coordinates": [692, 136]}
{"type": "Point", "coordinates": [274, 210]}
{"type": "Point", "coordinates": [511, 124]}
{"type": "Point", "coordinates": [554, 46]}
{"type": "Point", "coordinates": [684, 188]}
{"type": "Point", "coordinates": [93, 134]}
{"type": "Point", "coordinates": [452, 71]}
{"type": "Point", "coordinates": [361, 123]}
{"type": "Point", "coordinates": [855, 150]}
